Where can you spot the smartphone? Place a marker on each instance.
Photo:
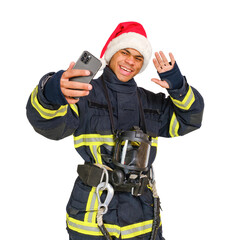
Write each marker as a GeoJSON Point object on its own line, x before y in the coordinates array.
{"type": "Point", "coordinates": [87, 62]}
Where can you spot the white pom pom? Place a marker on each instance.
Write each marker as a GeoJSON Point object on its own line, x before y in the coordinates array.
{"type": "Point", "coordinates": [104, 64]}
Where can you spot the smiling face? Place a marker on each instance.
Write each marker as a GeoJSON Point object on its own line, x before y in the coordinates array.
{"type": "Point", "coordinates": [126, 63]}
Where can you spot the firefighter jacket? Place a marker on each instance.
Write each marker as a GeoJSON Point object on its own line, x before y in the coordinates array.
{"type": "Point", "coordinates": [128, 217]}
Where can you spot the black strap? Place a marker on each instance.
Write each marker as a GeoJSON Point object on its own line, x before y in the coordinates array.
{"type": "Point", "coordinates": [142, 114]}
{"type": "Point", "coordinates": [109, 105]}
{"type": "Point", "coordinates": [92, 175]}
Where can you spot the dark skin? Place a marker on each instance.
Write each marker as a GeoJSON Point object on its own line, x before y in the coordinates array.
{"type": "Point", "coordinates": [162, 65]}
{"type": "Point", "coordinates": [72, 89]}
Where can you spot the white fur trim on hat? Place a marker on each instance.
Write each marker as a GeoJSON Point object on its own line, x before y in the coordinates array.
{"type": "Point", "coordinates": [104, 63]}
{"type": "Point", "coordinates": [130, 40]}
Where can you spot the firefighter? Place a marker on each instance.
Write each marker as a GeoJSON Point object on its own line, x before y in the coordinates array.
{"type": "Point", "coordinates": [115, 125]}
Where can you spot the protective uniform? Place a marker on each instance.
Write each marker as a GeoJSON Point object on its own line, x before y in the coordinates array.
{"type": "Point", "coordinates": [128, 216]}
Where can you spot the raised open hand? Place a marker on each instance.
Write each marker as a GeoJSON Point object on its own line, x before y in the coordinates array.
{"type": "Point", "coordinates": [162, 65]}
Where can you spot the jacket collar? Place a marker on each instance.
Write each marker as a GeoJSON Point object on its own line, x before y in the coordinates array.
{"type": "Point", "coordinates": [116, 85]}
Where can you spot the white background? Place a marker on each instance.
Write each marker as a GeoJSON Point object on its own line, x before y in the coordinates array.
{"type": "Point", "coordinates": [197, 175]}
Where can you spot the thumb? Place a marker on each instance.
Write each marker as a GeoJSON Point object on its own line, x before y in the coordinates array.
{"type": "Point", "coordinates": [161, 83]}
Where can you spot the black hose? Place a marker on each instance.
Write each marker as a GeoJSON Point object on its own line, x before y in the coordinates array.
{"type": "Point", "coordinates": [156, 218]}
{"type": "Point", "coordinates": [105, 232]}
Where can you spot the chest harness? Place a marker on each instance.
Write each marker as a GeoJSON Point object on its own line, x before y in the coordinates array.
{"type": "Point", "coordinates": [131, 172]}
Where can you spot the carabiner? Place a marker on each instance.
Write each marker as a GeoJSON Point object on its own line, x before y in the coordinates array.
{"type": "Point", "coordinates": [105, 172]}
{"type": "Point", "coordinates": [110, 192]}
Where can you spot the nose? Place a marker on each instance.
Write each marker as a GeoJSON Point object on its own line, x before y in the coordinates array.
{"type": "Point", "coordinates": [130, 60]}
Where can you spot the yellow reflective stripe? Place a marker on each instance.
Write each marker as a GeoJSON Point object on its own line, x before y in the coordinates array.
{"type": "Point", "coordinates": [92, 206]}
{"type": "Point", "coordinates": [136, 229]}
{"type": "Point", "coordinates": [93, 139]}
{"type": "Point", "coordinates": [126, 232]}
{"type": "Point", "coordinates": [74, 108]}
{"type": "Point", "coordinates": [91, 228]}
{"type": "Point", "coordinates": [174, 126]}
{"type": "Point", "coordinates": [155, 142]}
{"type": "Point", "coordinates": [95, 150]}
{"type": "Point", "coordinates": [187, 102]}
{"type": "Point", "coordinates": [98, 139]}
{"type": "Point", "coordinates": [44, 112]}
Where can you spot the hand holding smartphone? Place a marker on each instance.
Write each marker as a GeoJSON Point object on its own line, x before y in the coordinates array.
{"type": "Point", "coordinates": [71, 82]}
{"type": "Point", "coordinates": [87, 62]}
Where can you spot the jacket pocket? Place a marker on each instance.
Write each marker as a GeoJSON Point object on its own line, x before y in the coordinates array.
{"type": "Point", "coordinates": [96, 105]}
{"type": "Point", "coordinates": [100, 119]}
{"type": "Point", "coordinates": [100, 124]}
{"type": "Point", "coordinates": [147, 203]}
{"type": "Point", "coordinates": [79, 197]}
{"type": "Point", "coordinates": [153, 122]}
{"type": "Point", "coordinates": [84, 200]}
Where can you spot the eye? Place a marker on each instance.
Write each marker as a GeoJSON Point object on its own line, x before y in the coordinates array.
{"type": "Point", "coordinates": [139, 59]}
{"type": "Point", "coordinates": [124, 52]}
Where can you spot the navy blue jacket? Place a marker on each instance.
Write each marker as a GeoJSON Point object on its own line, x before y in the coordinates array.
{"type": "Point", "coordinates": [89, 123]}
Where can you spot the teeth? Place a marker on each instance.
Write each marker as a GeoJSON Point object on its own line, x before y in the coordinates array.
{"type": "Point", "coordinates": [125, 69]}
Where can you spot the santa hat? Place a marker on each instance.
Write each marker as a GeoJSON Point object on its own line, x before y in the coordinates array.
{"type": "Point", "coordinates": [127, 35]}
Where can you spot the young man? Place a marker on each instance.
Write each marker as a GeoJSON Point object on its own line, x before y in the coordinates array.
{"type": "Point", "coordinates": [115, 125]}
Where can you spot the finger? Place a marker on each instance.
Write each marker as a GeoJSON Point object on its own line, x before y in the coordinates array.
{"type": "Point", "coordinates": [165, 61]}
{"type": "Point", "coordinates": [72, 100]}
{"type": "Point", "coordinates": [159, 59]}
{"type": "Point", "coordinates": [172, 58]}
{"type": "Point", "coordinates": [74, 93]}
{"type": "Point", "coordinates": [75, 85]}
{"type": "Point", "coordinates": [71, 66]}
{"type": "Point", "coordinates": [75, 73]}
{"type": "Point", "coordinates": [157, 66]}
{"type": "Point", "coordinates": [163, 84]}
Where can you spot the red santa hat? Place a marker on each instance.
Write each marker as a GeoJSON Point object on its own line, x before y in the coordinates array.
{"type": "Point", "coordinates": [127, 35]}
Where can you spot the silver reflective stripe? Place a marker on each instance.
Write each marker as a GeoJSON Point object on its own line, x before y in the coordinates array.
{"type": "Point", "coordinates": [94, 149]}
{"type": "Point", "coordinates": [97, 139]}
{"type": "Point", "coordinates": [154, 141]}
{"type": "Point", "coordinates": [89, 140]}
{"type": "Point", "coordinates": [126, 232]}
{"type": "Point", "coordinates": [91, 213]}
{"type": "Point", "coordinates": [83, 228]}
{"type": "Point", "coordinates": [136, 231]}
{"type": "Point", "coordinates": [91, 229]}
{"type": "Point", "coordinates": [187, 102]}
{"type": "Point", "coordinates": [174, 126]}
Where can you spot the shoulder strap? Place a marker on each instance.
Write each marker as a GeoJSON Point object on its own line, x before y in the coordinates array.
{"type": "Point", "coordinates": [141, 113]}
{"type": "Point", "coordinates": [109, 105]}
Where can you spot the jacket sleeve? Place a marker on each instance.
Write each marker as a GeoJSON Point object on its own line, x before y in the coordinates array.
{"type": "Point", "coordinates": [51, 120]}
{"type": "Point", "coordinates": [182, 111]}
